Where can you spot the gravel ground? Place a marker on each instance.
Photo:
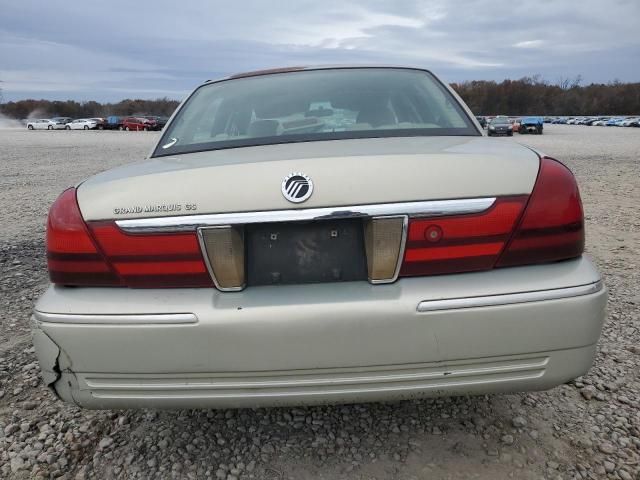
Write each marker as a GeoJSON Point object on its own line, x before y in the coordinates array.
{"type": "Point", "coordinates": [589, 428]}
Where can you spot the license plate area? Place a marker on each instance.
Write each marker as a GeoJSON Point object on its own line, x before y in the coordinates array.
{"type": "Point", "coordinates": [309, 252]}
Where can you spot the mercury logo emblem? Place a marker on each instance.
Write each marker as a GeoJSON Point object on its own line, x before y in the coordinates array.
{"type": "Point", "coordinates": [297, 187]}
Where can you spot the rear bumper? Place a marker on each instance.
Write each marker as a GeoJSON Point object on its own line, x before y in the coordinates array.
{"type": "Point", "coordinates": [513, 329]}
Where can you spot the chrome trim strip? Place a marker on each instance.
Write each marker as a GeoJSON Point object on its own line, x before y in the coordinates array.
{"type": "Point", "coordinates": [117, 319]}
{"type": "Point", "coordinates": [510, 298]}
{"type": "Point", "coordinates": [207, 262]}
{"type": "Point", "coordinates": [403, 245]}
{"type": "Point", "coordinates": [432, 208]}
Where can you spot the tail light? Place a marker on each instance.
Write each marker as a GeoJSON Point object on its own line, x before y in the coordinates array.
{"type": "Point", "coordinates": [152, 260]}
{"type": "Point", "coordinates": [462, 243]}
{"type": "Point", "coordinates": [72, 256]}
{"type": "Point", "coordinates": [100, 254]}
{"type": "Point", "coordinates": [550, 228]}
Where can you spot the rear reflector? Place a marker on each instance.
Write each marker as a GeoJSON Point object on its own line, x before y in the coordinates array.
{"type": "Point", "coordinates": [383, 239]}
{"type": "Point", "coordinates": [552, 227]}
{"type": "Point", "coordinates": [460, 243]}
{"type": "Point", "coordinates": [224, 249]}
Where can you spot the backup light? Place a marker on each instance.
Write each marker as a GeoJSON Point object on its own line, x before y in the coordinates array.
{"type": "Point", "coordinates": [223, 248]}
{"type": "Point", "coordinates": [384, 239]}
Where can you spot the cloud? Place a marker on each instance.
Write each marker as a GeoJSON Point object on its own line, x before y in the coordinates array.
{"type": "Point", "coordinates": [109, 50]}
{"type": "Point", "coordinates": [529, 44]}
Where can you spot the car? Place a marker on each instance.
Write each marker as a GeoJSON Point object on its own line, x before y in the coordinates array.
{"type": "Point", "coordinates": [614, 122]}
{"type": "Point", "coordinates": [531, 125]}
{"type": "Point", "coordinates": [100, 122]}
{"type": "Point", "coordinates": [600, 122]}
{"type": "Point", "coordinates": [113, 122]}
{"type": "Point", "coordinates": [41, 124]}
{"type": "Point", "coordinates": [160, 122]}
{"type": "Point", "coordinates": [500, 126]}
{"type": "Point", "coordinates": [482, 121]}
{"type": "Point", "coordinates": [60, 122]}
{"type": "Point", "coordinates": [628, 122]}
{"type": "Point", "coordinates": [82, 124]}
{"type": "Point", "coordinates": [138, 123]}
{"type": "Point", "coordinates": [515, 124]}
{"type": "Point", "coordinates": [318, 235]}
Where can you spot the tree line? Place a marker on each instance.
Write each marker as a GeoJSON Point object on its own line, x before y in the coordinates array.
{"type": "Point", "coordinates": [534, 96]}
{"type": "Point", "coordinates": [70, 108]}
{"type": "Point", "coordinates": [526, 96]}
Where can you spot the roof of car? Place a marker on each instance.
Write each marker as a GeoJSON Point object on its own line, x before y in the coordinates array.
{"type": "Point", "coordinates": [270, 71]}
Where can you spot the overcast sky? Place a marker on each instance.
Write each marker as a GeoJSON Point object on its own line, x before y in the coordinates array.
{"type": "Point", "coordinates": [112, 49]}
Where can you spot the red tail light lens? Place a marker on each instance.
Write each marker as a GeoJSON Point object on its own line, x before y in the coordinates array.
{"type": "Point", "coordinates": [462, 243]}
{"type": "Point", "coordinates": [153, 260]}
{"type": "Point", "coordinates": [100, 254]}
{"type": "Point", "coordinates": [552, 227]}
{"type": "Point", "coordinates": [72, 256]}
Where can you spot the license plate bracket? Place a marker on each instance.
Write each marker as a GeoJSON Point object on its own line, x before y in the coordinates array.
{"type": "Point", "coordinates": [310, 252]}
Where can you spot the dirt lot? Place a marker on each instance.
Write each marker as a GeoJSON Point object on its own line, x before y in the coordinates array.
{"type": "Point", "coordinates": [589, 428]}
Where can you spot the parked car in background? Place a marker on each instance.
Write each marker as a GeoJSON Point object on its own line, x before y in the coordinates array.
{"type": "Point", "coordinates": [82, 124]}
{"type": "Point", "coordinates": [61, 122]}
{"type": "Point", "coordinates": [500, 126]}
{"type": "Point", "coordinates": [482, 121]}
{"type": "Point", "coordinates": [600, 122]}
{"type": "Point", "coordinates": [113, 122]}
{"type": "Point", "coordinates": [160, 121]}
{"type": "Point", "coordinates": [100, 122]}
{"type": "Point", "coordinates": [614, 122]}
{"type": "Point", "coordinates": [515, 124]}
{"type": "Point", "coordinates": [627, 122]}
{"type": "Point", "coordinates": [560, 121]}
{"type": "Point", "coordinates": [138, 123]}
{"type": "Point", "coordinates": [531, 125]}
{"type": "Point", "coordinates": [318, 235]}
{"type": "Point", "coordinates": [41, 124]}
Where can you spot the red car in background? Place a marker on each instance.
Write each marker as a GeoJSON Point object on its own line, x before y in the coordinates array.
{"type": "Point", "coordinates": [138, 123]}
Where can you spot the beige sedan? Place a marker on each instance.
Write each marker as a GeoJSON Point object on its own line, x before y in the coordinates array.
{"type": "Point", "coordinates": [318, 235]}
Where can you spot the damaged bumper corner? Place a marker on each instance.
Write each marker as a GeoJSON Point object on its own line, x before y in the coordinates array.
{"type": "Point", "coordinates": [49, 357]}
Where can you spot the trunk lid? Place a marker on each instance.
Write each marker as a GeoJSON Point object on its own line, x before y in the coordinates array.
{"type": "Point", "coordinates": [344, 172]}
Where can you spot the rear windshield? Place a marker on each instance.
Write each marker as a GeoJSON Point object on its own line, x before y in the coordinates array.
{"type": "Point", "coordinates": [314, 105]}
